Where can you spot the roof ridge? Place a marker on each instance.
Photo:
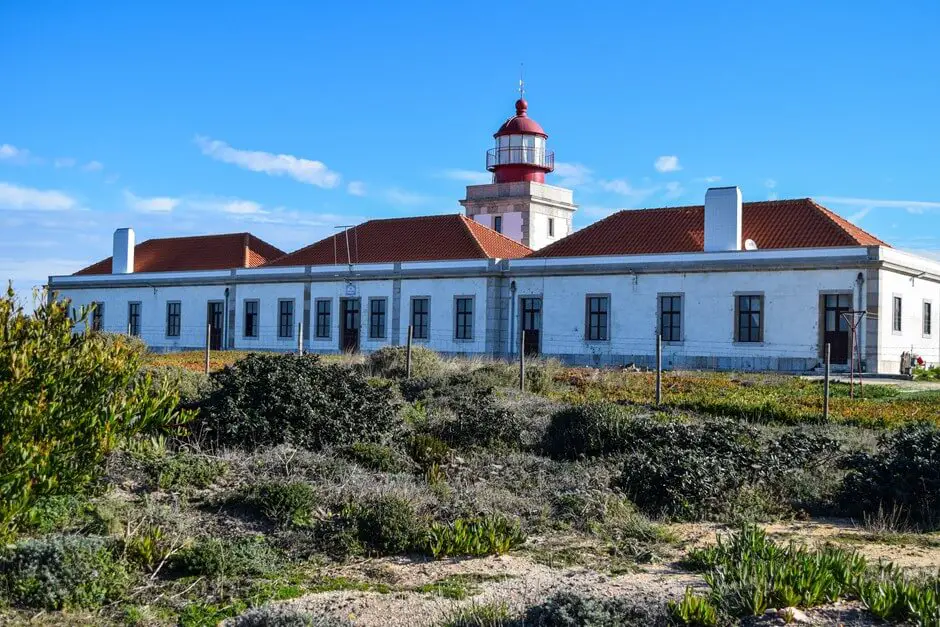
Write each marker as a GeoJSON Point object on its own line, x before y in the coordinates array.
{"type": "Point", "coordinates": [163, 239]}
{"type": "Point", "coordinates": [840, 222]}
{"type": "Point", "coordinates": [472, 224]}
{"type": "Point", "coordinates": [464, 220]}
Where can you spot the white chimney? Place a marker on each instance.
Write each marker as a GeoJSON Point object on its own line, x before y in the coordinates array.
{"type": "Point", "coordinates": [722, 219]}
{"type": "Point", "coordinates": [122, 259]}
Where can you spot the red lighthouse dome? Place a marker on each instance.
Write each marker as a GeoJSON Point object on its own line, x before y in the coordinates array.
{"type": "Point", "coordinates": [520, 153]}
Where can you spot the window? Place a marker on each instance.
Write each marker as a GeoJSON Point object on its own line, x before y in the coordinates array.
{"type": "Point", "coordinates": [97, 316]}
{"type": "Point", "coordinates": [750, 318]}
{"type": "Point", "coordinates": [896, 317]}
{"type": "Point", "coordinates": [133, 319]}
{"type": "Point", "coordinates": [322, 329]}
{"type": "Point", "coordinates": [420, 318]}
{"type": "Point", "coordinates": [598, 310]}
{"type": "Point", "coordinates": [551, 227]}
{"type": "Point", "coordinates": [377, 318]}
{"type": "Point", "coordinates": [285, 318]}
{"type": "Point", "coordinates": [498, 224]}
{"type": "Point", "coordinates": [173, 311]}
{"type": "Point", "coordinates": [928, 323]}
{"type": "Point", "coordinates": [670, 318]}
{"type": "Point", "coordinates": [463, 324]}
{"type": "Point", "coordinates": [251, 318]}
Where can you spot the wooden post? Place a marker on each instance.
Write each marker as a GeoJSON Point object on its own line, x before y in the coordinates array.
{"type": "Point", "coordinates": [300, 338]}
{"type": "Point", "coordinates": [411, 331]}
{"type": "Point", "coordinates": [852, 363]}
{"type": "Point", "coordinates": [208, 343]}
{"type": "Point", "coordinates": [659, 369]}
{"type": "Point", "coordinates": [826, 387]}
{"type": "Point", "coordinates": [522, 360]}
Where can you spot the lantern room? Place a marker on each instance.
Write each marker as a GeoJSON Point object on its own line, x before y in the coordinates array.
{"type": "Point", "coordinates": [520, 153]}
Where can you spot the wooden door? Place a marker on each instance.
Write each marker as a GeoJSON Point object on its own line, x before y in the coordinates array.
{"type": "Point", "coordinates": [836, 327]}
{"type": "Point", "coordinates": [216, 316]}
{"type": "Point", "coordinates": [349, 331]}
{"type": "Point", "coordinates": [531, 311]}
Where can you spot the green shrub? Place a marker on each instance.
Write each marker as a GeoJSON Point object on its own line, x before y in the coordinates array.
{"type": "Point", "coordinates": [192, 386]}
{"type": "Point", "coordinates": [390, 362]}
{"type": "Point", "coordinates": [58, 513]}
{"type": "Point", "coordinates": [57, 572]}
{"type": "Point", "coordinates": [693, 610]}
{"type": "Point", "coordinates": [377, 457]}
{"type": "Point", "coordinates": [274, 616]}
{"type": "Point", "coordinates": [182, 470]}
{"type": "Point", "coordinates": [892, 595]}
{"type": "Point", "coordinates": [478, 420]}
{"type": "Point", "coordinates": [485, 535]}
{"type": "Point", "coordinates": [66, 400]}
{"type": "Point", "coordinates": [386, 525]}
{"type": "Point", "coordinates": [272, 399]}
{"type": "Point", "coordinates": [481, 615]}
{"type": "Point", "coordinates": [587, 431]}
{"type": "Point", "coordinates": [567, 609]}
{"type": "Point", "coordinates": [902, 475]}
{"type": "Point", "coordinates": [213, 557]}
{"type": "Point", "coordinates": [427, 450]}
{"type": "Point", "coordinates": [283, 503]}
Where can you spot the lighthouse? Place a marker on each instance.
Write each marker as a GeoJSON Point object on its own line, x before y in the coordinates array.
{"type": "Point", "coordinates": [518, 203]}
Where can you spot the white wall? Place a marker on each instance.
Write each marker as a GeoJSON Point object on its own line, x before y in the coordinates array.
{"type": "Point", "coordinates": [538, 230]}
{"type": "Point", "coordinates": [512, 223]}
{"type": "Point", "coordinates": [268, 295]}
{"type": "Point", "coordinates": [442, 293]}
{"type": "Point", "coordinates": [913, 293]}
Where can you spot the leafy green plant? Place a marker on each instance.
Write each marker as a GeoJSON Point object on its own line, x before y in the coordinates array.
{"type": "Point", "coordinates": [63, 512]}
{"type": "Point", "coordinates": [587, 431]}
{"type": "Point", "coordinates": [214, 557]}
{"type": "Point", "coordinates": [377, 457]}
{"type": "Point", "coordinates": [476, 419]}
{"type": "Point", "coordinates": [427, 450]}
{"type": "Point", "coordinates": [390, 362]}
{"type": "Point", "coordinates": [267, 399]}
{"type": "Point", "coordinates": [57, 572]}
{"type": "Point", "coordinates": [481, 615]}
{"type": "Point", "coordinates": [693, 610]}
{"type": "Point", "coordinates": [183, 470]}
{"type": "Point", "coordinates": [66, 400]}
{"type": "Point", "coordinates": [274, 616]}
{"type": "Point", "coordinates": [386, 525]}
{"type": "Point", "coordinates": [283, 503]}
{"type": "Point", "coordinates": [485, 535]}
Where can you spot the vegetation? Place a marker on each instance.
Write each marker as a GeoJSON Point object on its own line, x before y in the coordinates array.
{"type": "Point", "coordinates": [489, 535]}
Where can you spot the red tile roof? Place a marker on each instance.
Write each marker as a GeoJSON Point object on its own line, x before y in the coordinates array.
{"type": "Point", "coordinates": [424, 238]}
{"type": "Point", "coordinates": [202, 252]}
{"type": "Point", "coordinates": [798, 223]}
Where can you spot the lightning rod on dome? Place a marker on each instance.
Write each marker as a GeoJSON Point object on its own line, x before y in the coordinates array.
{"type": "Point", "coordinates": [522, 80]}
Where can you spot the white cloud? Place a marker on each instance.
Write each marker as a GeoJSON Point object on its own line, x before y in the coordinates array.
{"type": "Point", "coordinates": [18, 156]}
{"type": "Point", "coordinates": [64, 162]}
{"type": "Point", "coordinates": [356, 188]}
{"type": "Point", "coordinates": [14, 197]}
{"type": "Point", "coordinates": [401, 197]}
{"type": "Point", "coordinates": [858, 215]}
{"type": "Point", "coordinates": [297, 168]}
{"type": "Point", "coordinates": [667, 163]}
{"type": "Point", "coordinates": [624, 188]}
{"type": "Point", "coordinates": [770, 183]}
{"type": "Point", "coordinates": [598, 212]}
{"type": "Point", "coordinates": [911, 206]}
{"type": "Point", "coordinates": [10, 152]}
{"type": "Point", "coordinates": [707, 179]}
{"type": "Point", "coordinates": [572, 174]}
{"type": "Point", "coordinates": [674, 190]}
{"type": "Point", "coordinates": [93, 166]}
{"type": "Point", "coordinates": [154, 204]}
{"type": "Point", "coordinates": [473, 177]}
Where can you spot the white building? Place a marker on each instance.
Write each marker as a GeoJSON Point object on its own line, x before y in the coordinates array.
{"type": "Point", "coordinates": [728, 285]}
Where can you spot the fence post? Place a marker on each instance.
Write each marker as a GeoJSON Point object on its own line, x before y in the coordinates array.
{"type": "Point", "coordinates": [300, 338]}
{"type": "Point", "coordinates": [659, 369]}
{"type": "Point", "coordinates": [826, 387]}
{"type": "Point", "coordinates": [411, 331]}
{"type": "Point", "coordinates": [522, 359]}
{"type": "Point", "coordinates": [208, 343]}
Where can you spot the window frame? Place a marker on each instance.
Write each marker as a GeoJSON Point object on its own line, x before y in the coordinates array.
{"type": "Point", "coordinates": [97, 316]}
{"type": "Point", "coordinates": [134, 330]}
{"type": "Point", "coordinates": [551, 227]}
{"type": "Point", "coordinates": [680, 314]}
{"type": "Point", "coordinates": [257, 318]}
{"type": "Point", "coordinates": [762, 318]}
{"type": "Point", "coordinates": [383, 314]}
{"type": "Point", "coordinates": [587, 318]}
{"type": "Point", "coordinates": [178, 316]}
{"type": "Point", "coordinates": [280, 315]}
{"type": "Point", "coordinates": [498, 224]}
{"type": "Point", "coordinates": [468, 322]}
{"type": "Point", "coordinates": [317, 315]}
{"type": "Point", "coordinates": [926, 326]}
{"type": "Point", "coordinates": [897, 314]}
{"type": "Point", "coordinates": [411, 319]}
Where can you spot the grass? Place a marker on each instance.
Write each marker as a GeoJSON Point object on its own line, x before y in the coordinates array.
{"type": "Point", "coordinates": [459, 587]}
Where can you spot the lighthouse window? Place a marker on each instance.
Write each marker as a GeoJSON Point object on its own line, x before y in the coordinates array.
{"type": "Point", "coordinates": [551, 227]}
{"type": "Point", "coordinates": [498, 224]}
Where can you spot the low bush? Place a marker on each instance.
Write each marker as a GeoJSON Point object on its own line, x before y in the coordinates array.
{"type": "Point", "coordinates": [567, 609]}
{"type": "Point", "coordinates": [183, 470]}
{"type": "Point", "coordinates": [381, 525]}
{"type": "Point", "coordinates": [587, 431]}
{"type": "Point", "coordinates": [192, 386]}
{"type": "Point", "coordinates": [479, 420]}
{"type": "Point", "coordinates": [892, 595]}
{"type": "Point", "coordinates": [58, 513]}
{"type": "Point", "coordinates": [390, 362]}
{"type": "Point", "coordinates": [275, 399]}
{"type": "Point", "coordinates": [427, 450]}
{"type": "Point", "coordinates": [282, 503]}
{"type": "Point", "coordinates": [57, 572]}
{"type": "Point", "coordinates": [693, 610]}
{"type": "Point", "coordinates": [274, 616]}
{"type": "Point", "coordinates": [481, 615]}
{"type": "Point", "coordinates": [472, 537]}
{"type": "Point", "coordinates": [213, 557]}
{"type": "Point", "coordinates": [903, 475]}
{"type": "Point", "coordinates": [377, 457]}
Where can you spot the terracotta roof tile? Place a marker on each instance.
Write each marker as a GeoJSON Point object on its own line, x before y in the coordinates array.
{"type": "Point", "coordinates": [202, 252]}
{"type": "Point", "coordinates": [423, 238]}
{"type": "Point", "coordinates": [798, 223]}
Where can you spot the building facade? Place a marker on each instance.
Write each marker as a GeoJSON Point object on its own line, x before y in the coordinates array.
{"type": "Point", "coordinates": [726, 285]}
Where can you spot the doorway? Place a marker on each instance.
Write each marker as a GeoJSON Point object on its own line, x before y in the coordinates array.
{"type": "Point", "coordinates": [349, 331]}
{"type": "Point", "coordinates": [531, 311]}
{"type": "Point", "coordinates": [836, 327]}
{"type": "Point", "coordinates": [216, 317]}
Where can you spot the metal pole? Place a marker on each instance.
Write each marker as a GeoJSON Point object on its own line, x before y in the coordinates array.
{"type": "Point", "coordinates": [300, 338]}
{"type": "Point", "coordinates": [208, 342]}
{"type": "Point", "coordinates": [522, 360]}
{"type": "Point", "coordinates": [659, 369]}
{"type": "Point", "coordinates": [852, 363]}
{"type": "Point", "coordinates": [411, 331]}
{"type": "Point", "coordinates": [826, 386]}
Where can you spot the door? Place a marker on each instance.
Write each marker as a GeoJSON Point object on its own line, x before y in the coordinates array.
{"type": "Point", "coordinates": [836, 327]}
{"type": "Point", "coordinates": [349, 331]}
{"type": "Point", "coordinates": [216, 317]}
{"type": "Point", "coordinates": [532, 325]}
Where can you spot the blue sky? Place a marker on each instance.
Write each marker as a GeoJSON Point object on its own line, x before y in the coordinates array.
{"type": "Point", "coordinates": [288, 118]}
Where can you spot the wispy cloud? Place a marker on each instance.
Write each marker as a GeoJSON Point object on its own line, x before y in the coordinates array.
{"type": "Point", "coordinates": [473, 177]}
{"type": "Point", "coordinates": [298, 168]}
{"type": "Point", "coordinates": [673, 191]}
{"type": "Point", "coordinates": [93, 166]}
{"type": "Point", "coordinates": [64, 162]}
{"type": "Point", "coordinates": [770, 183]}
{"type": "Point", "coordinates": [154, 204]}
{"type": "Point", "coordinates": [573, 174]}
{"type": "Point", "coordinates": [911, 206]}
{"type": "Point", "coordinates": [667, 163]}
{"type": "Point", "coordinates": [398, 196]}
{"type": "Point", "coordinates": [15, 197]}
{"type": "Point", "coordinates": [625, 188]}
{"type": "Point", "coordinates": [17, 156]}
{"type": "Point", "coordinates": [707, 179]}
{"type": "Point", "coordinates": [356, 188]}
{"type": "Point", "coordinates": [598, 211]}
{"type": "Point", "coordinates": [858, 215]}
